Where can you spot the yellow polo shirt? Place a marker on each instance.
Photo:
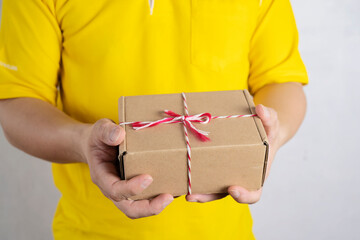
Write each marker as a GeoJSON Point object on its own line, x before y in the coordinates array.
{"type": "Point", "coordinates": [88, 53]}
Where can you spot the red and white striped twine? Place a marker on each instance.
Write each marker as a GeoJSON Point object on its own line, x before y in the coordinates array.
{"type": "Point", "coordinates": [187, 120]}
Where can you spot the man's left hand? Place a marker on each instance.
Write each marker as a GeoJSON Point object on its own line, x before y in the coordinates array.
{"type": "Point", "coordinates": [271, 124]}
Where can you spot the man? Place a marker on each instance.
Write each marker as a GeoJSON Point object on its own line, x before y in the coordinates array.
{"type": "Point", "coordinates": [80, 56]}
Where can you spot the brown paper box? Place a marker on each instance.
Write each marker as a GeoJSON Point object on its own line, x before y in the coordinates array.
{"type": "Point", "coordinates": [235, 155]}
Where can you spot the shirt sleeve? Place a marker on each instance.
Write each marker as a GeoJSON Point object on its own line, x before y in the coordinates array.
{"type": "Point", "coordinates": [274, 55]}
{"type": "Point", "coordinates": [30, 50]}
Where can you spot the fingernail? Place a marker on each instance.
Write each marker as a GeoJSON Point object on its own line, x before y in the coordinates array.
{"type": "Point", "coordinates": [235, 193]}
{"type": "Point", "coordinates": [167, 202]}
{"type": "Point", "coordinates": [192, 200]}
{"type": "Point", "coordinates": [114, 135]}
{"type": "Point", "coordinates": [146, 182]}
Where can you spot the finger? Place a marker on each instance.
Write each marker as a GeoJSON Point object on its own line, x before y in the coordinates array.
{"type": "Point", "coordinates": [144, 208]}
{"type": "Point", "coordinates": [268, 118]}
{"type": "Point", "coordinates": [106, 178]}
{"type": "Point", "coordinates": [267, 115]}
{"type": "Point", "coordinates": [241, 195]}
{"type": "Point", "coordinates": [202, 198]}
{"type": "Point", "coordinates": [108, 132]}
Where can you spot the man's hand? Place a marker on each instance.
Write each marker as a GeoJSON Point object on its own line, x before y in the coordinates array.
{"type": "Point", "coordinates": [99, 151]}
{"type": "Point", "coordinates": [288, 99]}
{"type": "Point", "coordinates": [44, 131]}
{"type": "Point", "coordinates": [271, 124]}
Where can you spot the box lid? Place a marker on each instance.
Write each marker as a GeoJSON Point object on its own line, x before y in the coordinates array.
{"type": "Point", "coordinates": [223, 132]}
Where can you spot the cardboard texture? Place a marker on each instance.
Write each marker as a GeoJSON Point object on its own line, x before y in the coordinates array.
{"type": "Point", "coordinates": [235, 155]}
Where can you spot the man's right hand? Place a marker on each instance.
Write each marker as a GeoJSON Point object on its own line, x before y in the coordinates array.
{"type": "Point", "coordinates": [99, 151]}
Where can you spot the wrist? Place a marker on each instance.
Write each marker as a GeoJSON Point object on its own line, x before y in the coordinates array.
{"type": "Point", "coordinates": [81, 139]}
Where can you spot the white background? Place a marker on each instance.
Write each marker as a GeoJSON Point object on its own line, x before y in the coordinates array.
{"type": "Point", "coordinates": [313, 189]}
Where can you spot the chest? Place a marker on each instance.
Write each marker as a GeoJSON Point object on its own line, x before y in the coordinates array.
{"type": "Point", "coordinates": [207, 33]}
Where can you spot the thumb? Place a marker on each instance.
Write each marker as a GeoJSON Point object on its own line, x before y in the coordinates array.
{"type": "Point", "coordinates": [263, 112]}
{"type": "Point", "coordinates": [267, 115]}
{"type": "Point", "coordinates": [109, 133]}
{"type": "Point", "coordinates": [270, 121]}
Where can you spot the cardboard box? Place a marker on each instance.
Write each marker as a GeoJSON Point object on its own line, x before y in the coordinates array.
{"type": "Point", "coordinates": [235, 155]}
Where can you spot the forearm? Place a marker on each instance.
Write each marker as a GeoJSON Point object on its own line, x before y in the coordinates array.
{"type": "Point", "coordinates": [40, 129]}
{"type": "Point", "coordinates": [288, 100]}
